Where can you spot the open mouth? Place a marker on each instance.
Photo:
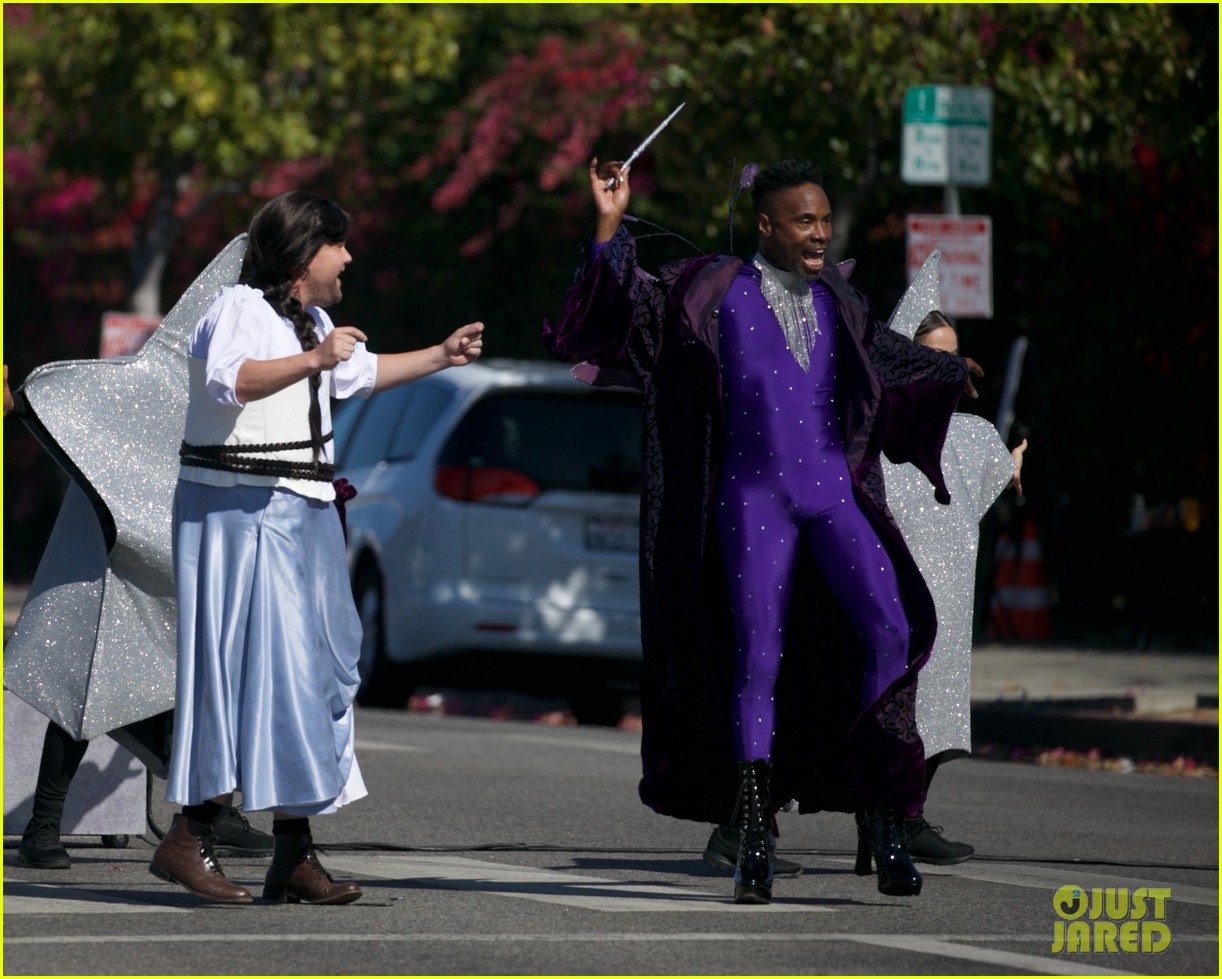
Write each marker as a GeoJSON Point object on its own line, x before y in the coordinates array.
{"type": "Point", "coordinates": [813, 258]}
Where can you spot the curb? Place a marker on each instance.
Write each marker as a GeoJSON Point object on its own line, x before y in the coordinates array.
{"type": "Point", "coordinates": [1107, 725]}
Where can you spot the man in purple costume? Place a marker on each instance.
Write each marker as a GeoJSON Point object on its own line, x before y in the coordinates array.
{"type": "Point", "coordinates": [769, 392]}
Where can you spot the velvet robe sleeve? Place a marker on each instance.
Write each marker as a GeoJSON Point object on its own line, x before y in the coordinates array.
{"type": "Point", "coordinates": [923, 387]}
{"type": "Point", "coordinates": [612, 316]}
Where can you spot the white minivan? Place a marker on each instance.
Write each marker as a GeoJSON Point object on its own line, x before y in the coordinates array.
{"type": "Point", "coordinates": [492, 543]}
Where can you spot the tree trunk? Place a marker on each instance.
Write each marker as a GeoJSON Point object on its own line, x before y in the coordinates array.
{"type": "Point", "coordinates": [151, 249]}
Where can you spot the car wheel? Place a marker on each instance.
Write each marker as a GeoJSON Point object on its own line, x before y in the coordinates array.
{"type": "Point", "coordinates": [383, 683]}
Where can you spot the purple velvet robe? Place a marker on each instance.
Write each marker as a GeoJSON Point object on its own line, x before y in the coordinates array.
{"type": "Point", "coordinates": [661, 333]}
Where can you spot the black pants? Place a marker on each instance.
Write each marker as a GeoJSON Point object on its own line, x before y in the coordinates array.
{"type": "Point", "coordinates": [62, 755]}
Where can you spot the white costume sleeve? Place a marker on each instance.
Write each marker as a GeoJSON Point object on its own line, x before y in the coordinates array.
{"type": "Point", "coordinates": [355, 376]}
{"type": "Point", "coordinates": [238, 326]}
{"type": "Point", "coordinates": [241, 326]}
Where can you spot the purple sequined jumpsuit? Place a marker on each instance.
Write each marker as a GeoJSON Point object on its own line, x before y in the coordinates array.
{"type": "Point", "coordinates": [785, 485]}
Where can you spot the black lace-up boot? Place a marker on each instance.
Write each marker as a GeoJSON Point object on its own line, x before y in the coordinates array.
{"type": "Point", "coordinates": [754, 871]}
{"type": "Point", "coordinates": [880, 835]}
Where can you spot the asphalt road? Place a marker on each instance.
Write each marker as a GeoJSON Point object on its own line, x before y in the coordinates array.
{"type": "Point", "coordinates": [504, 847]}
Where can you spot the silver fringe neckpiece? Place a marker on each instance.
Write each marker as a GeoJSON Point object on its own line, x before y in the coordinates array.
{"type": "Point", "coordinates": [788, 296]}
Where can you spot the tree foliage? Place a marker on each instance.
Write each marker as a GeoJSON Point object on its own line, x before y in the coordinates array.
{"type": "Point", "coordinates": [158, 108]}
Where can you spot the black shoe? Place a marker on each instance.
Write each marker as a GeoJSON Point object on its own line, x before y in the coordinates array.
{"type": "Point", "coordinates": [233, 836]}
{"type": "Point", "coordinates": [722, 853]}
{"type": "Point", "coordinates": [926, 843]}
{"type": "Point", "coordinates": [40, 847]}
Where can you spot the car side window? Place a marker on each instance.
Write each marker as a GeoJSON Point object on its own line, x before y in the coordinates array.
{"type": "Point", "coordinates": [427, 404]}
{"type": "Point", "coordinates": [369, 442]}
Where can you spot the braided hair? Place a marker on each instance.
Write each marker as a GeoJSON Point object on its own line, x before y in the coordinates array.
{"type": "Point", "coordinates": [285, 235]}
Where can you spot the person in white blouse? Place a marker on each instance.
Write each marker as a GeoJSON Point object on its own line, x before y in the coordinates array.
{"type": "Point", "coordinates": [268, 636]}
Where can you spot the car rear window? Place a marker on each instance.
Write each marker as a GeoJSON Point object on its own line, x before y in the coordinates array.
{"type": "Point", "coordinates": [585, 441]}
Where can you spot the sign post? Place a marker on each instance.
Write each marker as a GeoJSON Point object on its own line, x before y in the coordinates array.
{"type": "Point", "coordinates": [947, 141]}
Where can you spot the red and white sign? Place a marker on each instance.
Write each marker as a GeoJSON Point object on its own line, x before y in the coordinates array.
{"type": "Point", "coordinates": [124, 334]}
{"type": "Point", "coordinates": [966, 244]}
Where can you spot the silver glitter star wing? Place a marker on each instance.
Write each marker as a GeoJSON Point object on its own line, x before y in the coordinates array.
{"type": "Point", "coordinates": [94, 647]}
{"type": "Point", "coordinates": [922, 295]}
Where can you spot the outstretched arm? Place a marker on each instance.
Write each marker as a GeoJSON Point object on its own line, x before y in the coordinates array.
{"type": "Point", "coordinates": [460, 348]}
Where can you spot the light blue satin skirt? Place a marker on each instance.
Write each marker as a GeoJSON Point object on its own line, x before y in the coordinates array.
{"type": "Point", "coordinates": [268, 645]}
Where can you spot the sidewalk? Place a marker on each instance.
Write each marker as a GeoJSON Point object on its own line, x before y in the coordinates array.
{"type": "Point", "coordinates": [1153, 683]}
{"type": "Point", "coordinates": [1142, 706]}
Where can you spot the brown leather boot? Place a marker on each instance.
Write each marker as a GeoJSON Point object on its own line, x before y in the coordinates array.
{"type": "Point", "coordinates": [185, 857]}
{"type": "Point", "coordinates": [296, 875]}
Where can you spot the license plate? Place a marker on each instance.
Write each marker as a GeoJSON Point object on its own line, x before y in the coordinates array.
{"type": "Point", "coordinates": [612, 535]}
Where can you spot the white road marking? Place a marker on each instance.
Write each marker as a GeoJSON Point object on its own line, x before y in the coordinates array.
{"type": "Point", "coordinates": [1050, 878]}
{"type": "Point", "coordinates": [549, 886]}
{"type": "Point", "coordinates": [602, 894]}
{"type": "Point", "coordinates": [21, 897]}
{"type": "Point", "coordinates": [364, 744]}
{"type": "Point", "coordinates": [1048, 965]}
{"type": "Point", "coordinates": [954, 946]}
{"type": "Point", "coordinates": [560, 741]}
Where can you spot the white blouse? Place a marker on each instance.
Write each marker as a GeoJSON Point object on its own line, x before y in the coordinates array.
{"type": "Point", "coordinates": [240, 326]}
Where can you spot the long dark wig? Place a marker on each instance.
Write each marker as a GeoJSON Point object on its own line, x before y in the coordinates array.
{"type": "Point", "coordinates": [285, 235]}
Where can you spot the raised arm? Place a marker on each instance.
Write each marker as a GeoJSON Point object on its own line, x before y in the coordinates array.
{"type": "Point", "coordinates": [611, 204]}
{"type": "Point", "coordinates": [613, 312]}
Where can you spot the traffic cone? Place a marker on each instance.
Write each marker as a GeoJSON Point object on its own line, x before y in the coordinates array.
{"type": "Point", "coordinates": [1019, 607]}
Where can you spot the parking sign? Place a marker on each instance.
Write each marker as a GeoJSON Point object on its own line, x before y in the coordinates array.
{"type": "Point", "coordinates": [967, 260]}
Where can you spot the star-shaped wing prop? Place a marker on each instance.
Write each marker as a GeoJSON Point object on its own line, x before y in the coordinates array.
{"type": "Point", "coordinates": [922, 295]}
{"type": "Point", "coordinates": [95, 645]}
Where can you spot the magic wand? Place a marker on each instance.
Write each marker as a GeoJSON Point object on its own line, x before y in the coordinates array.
{"type": "Point", "coordinates": [644, 143]}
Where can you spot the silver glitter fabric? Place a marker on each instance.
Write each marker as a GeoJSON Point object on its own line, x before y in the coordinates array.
{"type": "Point", "coordinates": [788, 296]}
{"type": "Point", "coordinates": [922, 295]}
{"type": "Point", "coordinates": [94, 646]}
{"type": "Point", "coordinates": [943, 541]}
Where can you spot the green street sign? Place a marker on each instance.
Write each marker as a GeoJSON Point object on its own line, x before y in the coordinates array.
{"type": "Point", "coordinates": [947, 135]}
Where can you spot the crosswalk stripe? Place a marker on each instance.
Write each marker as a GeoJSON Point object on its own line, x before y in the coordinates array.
{"type": "Point", "coordinates": [21, 897]}
{"type": "Point", "coordinates": [364, 744]}
{"type": "Point", "coordinates": [632, 747]}
{"type": "Point", "coordinates": [549, 886]}
{"type": "Point", "coordinates": [1027, 875]}
{"type": "Point", "coordinates": [1046, 965]}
